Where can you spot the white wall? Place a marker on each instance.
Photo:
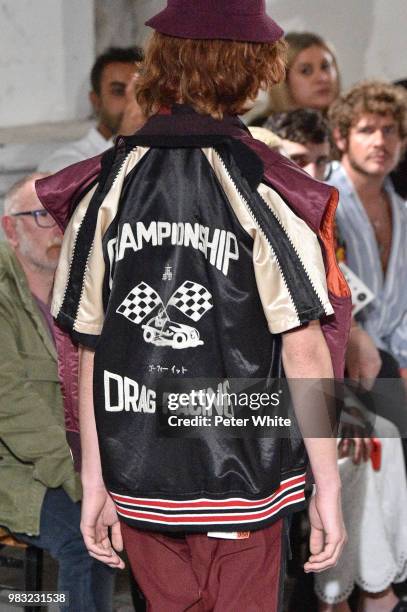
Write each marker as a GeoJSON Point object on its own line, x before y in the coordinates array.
{"type": "Point", "coordinates": [368, 35]}
{"type": "Point", "coordinates": [46, 49]}
{"type": "Point", "coordinates": [116, 23]}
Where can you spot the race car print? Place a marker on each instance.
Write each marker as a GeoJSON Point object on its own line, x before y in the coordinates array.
{"type": "Point", "coordinates": [161, 331]}
{"type": "Point", "coordinates": [192, 299]}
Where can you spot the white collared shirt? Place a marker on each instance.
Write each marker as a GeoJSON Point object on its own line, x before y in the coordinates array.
{"type": "Point", "coordinates": [90, 145]}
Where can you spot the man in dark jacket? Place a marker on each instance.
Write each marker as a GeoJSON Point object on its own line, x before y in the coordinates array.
{"type": "Point", "coordinates": [39, 488]}
{"type": "Point", "coordinates": [190, 253]}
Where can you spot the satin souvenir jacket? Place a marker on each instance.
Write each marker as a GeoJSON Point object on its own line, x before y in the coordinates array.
{"type": "Point", "coordinates": [182, 265]}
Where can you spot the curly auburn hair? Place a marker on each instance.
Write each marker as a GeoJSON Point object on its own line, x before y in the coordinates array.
{"type": "Point", "coordinates": [213, 76]}
{"type": "Point", "coordinates": [376, 97]}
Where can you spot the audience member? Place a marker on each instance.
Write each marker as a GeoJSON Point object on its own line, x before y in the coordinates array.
{"type": "Point", "coordinates": [370, 126]}
{"type": "Point", "coordinates": [373, 524]}
{"type": "Point", "coordinates": [304, 135]}
{"type": "Point", "coordinates": [39, 489]}
{"type": "Point", "coordinates": [374, 505]}
{"type": "Point", "coordinates": [112, 98]}
{"type": "Point", "coordinates": [312, 78]}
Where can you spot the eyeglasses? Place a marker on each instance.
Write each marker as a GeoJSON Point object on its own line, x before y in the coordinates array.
{"type": "Point", "coordinates": [42, 217]}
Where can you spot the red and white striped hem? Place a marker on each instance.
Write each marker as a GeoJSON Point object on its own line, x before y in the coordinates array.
{"type": "Point", "coordinates": [206, 511]}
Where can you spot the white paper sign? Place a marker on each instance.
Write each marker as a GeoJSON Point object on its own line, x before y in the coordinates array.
{"type": "Point", "coordinates": [361, 294]}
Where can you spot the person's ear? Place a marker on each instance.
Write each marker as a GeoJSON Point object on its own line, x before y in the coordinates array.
{"type": "Point", "coordinates": [94, 99]}
{"type": "Point", "coordinates": [8, 224]}
{"type": "Point", "coordinates": [340, 141]}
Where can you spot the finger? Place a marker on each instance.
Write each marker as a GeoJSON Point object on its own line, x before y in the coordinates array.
{"type": "Point", "coordinates": [117, 540]}
{"type": "Point", "coordinates": [107, 545]}
{"type": "Point", "coordinates": [104, 540]}
{"type": "Point", "coordinates": [89, 534]}
{"type": "Point", "coordinates": [316, 540]}
{"type": "Point", "coordinates": [345, 447]}
{"type": "Point", "coordinates": [368, 445]}
{"type": "Point", "coordinates": [319, 570]}
{"type": "Point", "coordinates": [101, 534]}
{"type": "Point", "coordinates": [328, 551]}
{"type": "Point", "coordinates": [321, 567]}
{"type": "Point", "coordinates": [357, 452]}
{"type": "Point", "coordinates": [101, 549]}
{"type": "Point", "coordinates": [318, 564]}
{"type": "Point", "coordinates": [96, 547]}
{"type": "Point", "coordinates": [332, 549]}
{"type": "Point", "coordinates": [115, 562]}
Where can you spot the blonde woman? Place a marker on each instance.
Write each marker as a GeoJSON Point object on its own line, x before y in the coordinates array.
{"type": "Point", "coordinates": [312, 79]}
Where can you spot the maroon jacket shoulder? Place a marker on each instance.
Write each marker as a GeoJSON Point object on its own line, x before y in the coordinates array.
{"type": "Point", "coordinates": [306, 196]}
{"type": "Point", "coordinates": [59, 192]}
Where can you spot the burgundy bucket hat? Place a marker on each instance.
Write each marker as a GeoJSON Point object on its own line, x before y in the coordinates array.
{"type": "Point", "coordinates": [240, 20]}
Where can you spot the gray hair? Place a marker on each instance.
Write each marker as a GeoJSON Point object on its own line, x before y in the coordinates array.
{"type": "Point", "coordinates": [11, 197]}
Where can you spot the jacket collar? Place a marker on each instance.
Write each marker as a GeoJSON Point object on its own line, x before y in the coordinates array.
{"type": "Point", "coordinates": [182, 126]}
{"type": "Point", "coordinates": [181, 119]}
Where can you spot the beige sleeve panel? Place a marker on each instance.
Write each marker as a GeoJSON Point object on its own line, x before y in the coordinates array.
{"type": "Point", "coordinates": [62, 273]}
{"type": "Point", "coordinates": [304, 242]}
{"type": "Point", "coordinates": [279, 305]}
{"type": "Point", "coordinates": [277, 302]}
{"type": "Point", "coordinates": [90, 309]}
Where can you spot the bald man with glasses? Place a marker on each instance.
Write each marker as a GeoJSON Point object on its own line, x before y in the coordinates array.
{"type": "Point", "coordinates": [39, 488]}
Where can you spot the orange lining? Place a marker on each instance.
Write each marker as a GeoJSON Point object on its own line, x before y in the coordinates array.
{"type": "Point", "coordinates": [335, 279]}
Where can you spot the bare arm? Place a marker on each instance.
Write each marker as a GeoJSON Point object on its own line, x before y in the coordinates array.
{"type": "Point", "coordinates": [98, 510]}
{"type": "Point", "coordinates": [363, 360]}
{"type": "Point", "coordinates": [91, 467]}
{"type": "Point", "coordinates": [306, 355]}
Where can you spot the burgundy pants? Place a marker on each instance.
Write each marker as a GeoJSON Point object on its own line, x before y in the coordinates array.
{"type": "Point", "coordinates": [202, 574]}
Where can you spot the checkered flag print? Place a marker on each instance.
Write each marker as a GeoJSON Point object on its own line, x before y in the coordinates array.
{"type": "Point", "coordinates": [139, 303]}
{"type": "Point", "coordinates": [192, 299]}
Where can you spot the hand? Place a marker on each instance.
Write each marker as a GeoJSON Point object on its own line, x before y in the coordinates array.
{"type": "Point", "coordinates": [355, 441]}
{"type": "Point", "coordinates": [98, 514]}
{"type": "Point", "coordinates": [363, 360]}
{"type": "Point", "coordinates": [328, 534]}
{"type": "Point", "coordinates": [133, 118]}
{"type": "Point", "coordinates": [359, 449]}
